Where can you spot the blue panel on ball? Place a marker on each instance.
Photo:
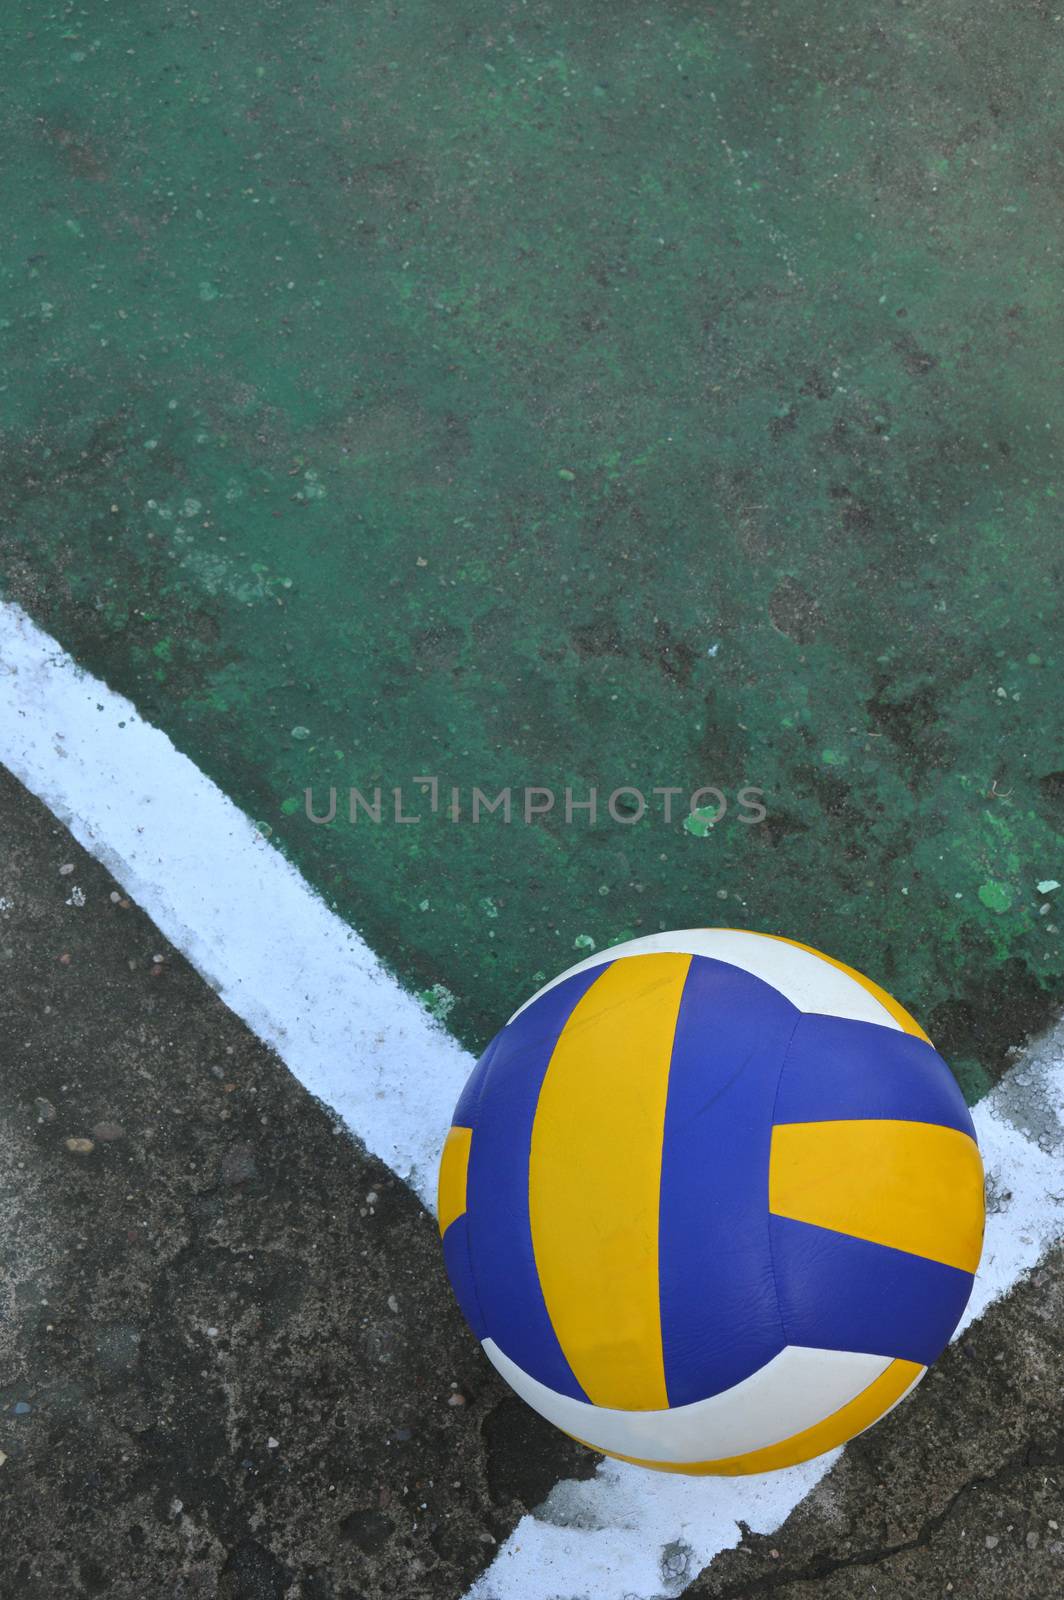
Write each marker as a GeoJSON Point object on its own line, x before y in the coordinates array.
{"type": "Point", "coordinates": [719, 1317]}
{"type": "Point", "coordinates": [840, 1293]}
{"type": "Point", "coordinates": [466, 1109]}
{"type": "Point", "coordinates": [839, 1069]}
{"type": "Point", "coordinates": [460, 1272]}
{"type": "Point", "coordinates": [504, 1266]}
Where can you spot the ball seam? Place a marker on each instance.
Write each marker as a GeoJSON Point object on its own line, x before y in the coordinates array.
{"type": "Point", "coordinates": [768, 1214]}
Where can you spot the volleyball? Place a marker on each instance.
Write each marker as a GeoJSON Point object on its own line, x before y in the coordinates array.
{"type": "Point", "coordinates": [711, 1202]}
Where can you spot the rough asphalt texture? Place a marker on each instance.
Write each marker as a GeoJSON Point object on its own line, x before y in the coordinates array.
{"type": "Point", "coordinates": [227, 1370]}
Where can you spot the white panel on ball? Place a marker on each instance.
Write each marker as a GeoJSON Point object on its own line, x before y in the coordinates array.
{"type": "Point", "coordinates": [794, 1391]}
{"type": "Point", "coordinates": [806, 979]}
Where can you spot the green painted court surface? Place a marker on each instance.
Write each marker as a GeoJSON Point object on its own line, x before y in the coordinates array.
{"type": "Point", "coordinates": [529, 394]}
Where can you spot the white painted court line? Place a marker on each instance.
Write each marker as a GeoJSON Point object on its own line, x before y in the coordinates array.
{"type": "Point", "coordinates": [311, 988]}
{"type": "Point", "coordinates": [291, 968]}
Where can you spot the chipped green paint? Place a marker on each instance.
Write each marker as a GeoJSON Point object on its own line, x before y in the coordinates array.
{"type": "Point", "coordinates": [699, 822]}
{"type": "Point", "coordinates": [996, 896]}
{"type": "Point", "coordinates": [539, 394]}
{"type": "Point", "coordinates": [438, 1001]}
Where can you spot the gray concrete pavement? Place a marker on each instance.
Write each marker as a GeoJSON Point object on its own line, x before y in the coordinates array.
{"type": "Point", "coordinates": [230, 1362]}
